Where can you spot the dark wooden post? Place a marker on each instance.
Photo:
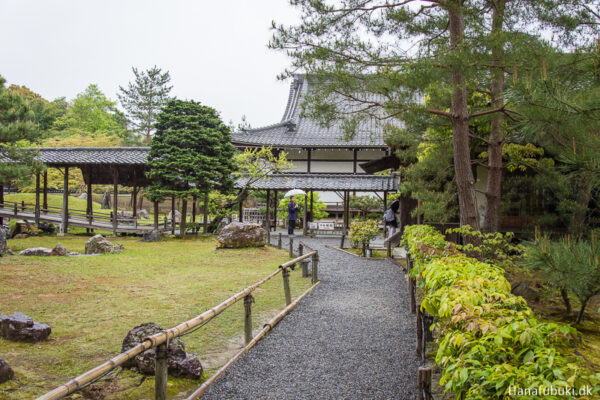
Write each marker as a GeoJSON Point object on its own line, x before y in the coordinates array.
{"type": "Point", "coordinates": [155, 204]}
{"type": "Point", "coordinates": [312, 218]}
{"type": "Point", "coordinates": [268, 217]}
{"type": "Point", "coordinates": [115, 199]}
{"type": "Point", "coordinates": [90, 208]}
{"type": "Point", "coordinates": [160, 372]}
{"type": "Point", "coordinates": [45, 198]}
{"type": "Point", "coordinates": [205, 214]}
{"type": "Point", "coordinates": [279, 240]}
{"type": "Point", "coordinates": [308, 160]}
{"type": "Point", "coordinates": [248, 300]}
{"type": "Point", "coordinates": [315, 268]}
{"type": "Point", "coordinates": [291, 247]}
{"type": "Point", "coordinates": [413, 300]}
{"type": "Point", "coordinates": [300, 249]}
{"type": "Point", "coordinates": [354, 161]}
{"type": "Point", "coordinates": [420, 337]}
{"type": "Point", "coordinates": [241, 211]}
{"type": "Point", "coordinates": [424, 383]}
{"type": "Point", "coordinates": [275, 207]}
{"type": "Point", "coordinates": [304, 221]}
{"type": "Point", "coordinates": [286, 286]}
{"type": "Point", "coordinates": [194, 201]}
{"type": "Point", "coordinates": [385, 228]}
{"type": "Point", "coordinates": [172, 215]}
{"type": "Point", "coordinates": [37, 198]}
{"type": "Point", "coordinates": [2, 202]}
{"type": "Point", "coordinates": [65, 210]}
{"type": "Point", "coordinates": [390, 254]}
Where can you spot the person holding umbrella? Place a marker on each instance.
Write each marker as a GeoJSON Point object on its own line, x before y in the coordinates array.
{"type": "Point", "coordinates": [390, 217]}
{"type": "Point", "coordinates": [292, 216]}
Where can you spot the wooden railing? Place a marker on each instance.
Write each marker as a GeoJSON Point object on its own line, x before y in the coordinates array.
{"type": "Point", "coordinates": [160, 340]}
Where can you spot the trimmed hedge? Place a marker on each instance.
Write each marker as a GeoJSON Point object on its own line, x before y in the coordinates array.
{"type": "Point", "coordinates": [490, 343]}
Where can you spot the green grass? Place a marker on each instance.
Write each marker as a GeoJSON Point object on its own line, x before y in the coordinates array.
{"type": "Point", "coordinates": [55, 200]}
{"type": "Point", "coordinates": [374, 253]}
{"type": "Point", "coordinates": [91, 303]}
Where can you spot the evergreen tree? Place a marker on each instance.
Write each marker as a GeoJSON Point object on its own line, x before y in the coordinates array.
{"type": "Point", "coordinates": [144, 98]}
{"type": "Point", "coordinates": [17, 125]}
{"type": "Point", "coordinates": [191, 154]}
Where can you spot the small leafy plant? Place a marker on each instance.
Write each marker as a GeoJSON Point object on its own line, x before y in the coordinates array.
{"type": "Point", "coordinates": [362, 232]}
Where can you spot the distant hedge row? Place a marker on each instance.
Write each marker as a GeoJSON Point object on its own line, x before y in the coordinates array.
{"type": "Point", "coordinates": [490, 343]}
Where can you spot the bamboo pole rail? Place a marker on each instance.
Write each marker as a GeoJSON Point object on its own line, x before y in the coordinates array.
{"type": "Point", "coordinates": [163, 337]}
{"type": "Point", "coordinates": [267, 327]}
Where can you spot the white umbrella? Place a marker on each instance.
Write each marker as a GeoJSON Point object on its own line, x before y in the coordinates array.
{"type": "Point", "coordinates": [295, 192]}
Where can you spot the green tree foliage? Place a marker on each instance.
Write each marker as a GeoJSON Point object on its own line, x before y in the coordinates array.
{"type": "Point", "coordinates": [44, 111]}
{"type": "Point", "coordinates": [570, 265]}
{"type": "Point", "coordinates": [362, 232]}
{"type": "Point", "coordinates": [91, 113]}
{"type": "Point", "coordinates": [17, 128]}
{"type": "Point", "coordinates": [366, 204]}
{"type": "Point", "coordinates": [318, 207]}
{"type": "Point", "coordinates": [191, 154]}
{"type": "Point", "coordinates": [144, 97]}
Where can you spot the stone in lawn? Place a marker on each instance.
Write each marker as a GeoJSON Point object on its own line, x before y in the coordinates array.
{"type": "Point", "coordinates": [177, 216]}
{"type": "Point", "coordinates": [179, 362]}
{"type": "Point", "coordinates": [143, 213]}
{"type": "Point", "coordinates": [20, 327]}
{"type": "Point", "coordinates": [153, 236]}
{"type": "Point", "coordinates": [100, 245]}
{"type": "Point", "coordinates": [239, 234]}
{"type": "Point", "coordinates": [59, 250]}
{"type": "Point", "coordinates": [3, 235]}
{"type": "Point", "coordinates": [36, 251]}
{"type": "Point", "coordinates": [6, 372]}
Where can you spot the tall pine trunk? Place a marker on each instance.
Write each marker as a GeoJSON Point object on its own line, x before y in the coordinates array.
{"type": "Point", "coordinates": [583, 187]}
{"type": "Point", "coordinates": [460, 125]}
{"type": "Point", "coordinates": [182, 224]}
{"type": "Point", "coordinates": [496, 139]}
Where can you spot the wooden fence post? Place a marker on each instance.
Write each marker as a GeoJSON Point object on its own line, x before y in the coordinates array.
{"type": "Point", "coordinates": [424, 383]}
{"type": "Point", "coordinates": [300, 249]}
{"type": "Point", "coordinates": [286, 286]}
{"type": "Point", "coordinates": [291, 247]}
{"type": "Point", "coordinates": [420, 337]}
{"type": "Point", "coordinates": [315, 268]}
{"type": "Point", "coordinates": [389, 250]}
{"type": "Point", "coordinates": [248, 300]}
{"type": "Point", "coordinates": [160, 373]}
{"type": "Point", "coordinates": [279, 240]}
{"type": "Point", "coordinates": [411, 290]}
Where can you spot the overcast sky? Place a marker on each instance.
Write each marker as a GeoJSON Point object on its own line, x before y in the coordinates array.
{"type": "Point", "coordinates": [214, 50]}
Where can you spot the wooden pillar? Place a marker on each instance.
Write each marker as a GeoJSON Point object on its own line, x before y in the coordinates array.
{"type": "Point", "coordinates": [355, 161]}
{"type": "Point", "coordinates": [45, 200]}
{"type": "Point", "coordinates": [160, 372]}
{"type": "Point", "coordinates": [346, 209]}
{"type": "Point", "coordinates": [275, 206]}
{"type": "Point", "coordinates": [241, 211]}
{"type": "Point", "coordinates": [308, 160]}
{"type": "Point", "coordinates": [304, 221]}
{"type": "Point", "coordinates": [286, 286]}
{"type": "Point", "coordinates": [172, 215]}
{"type": "Point", "coordinates": [89, 209]}
{"type": "Point", "coordinates": [65, 207]}
{"type": "Point", "coordinates": [315, 268]}
{"type": "Point", "coordinates": [312, 217]}
{"type": "Point", "coordinates": [134, 194]}
{"type": "Point", "coordinates": [115, 199]}
{"type": "Point", "coordinates": [385, 228]}
{"type": "Point", "coordinates": [248, 300]}
{"type": "Point", "coordinates": [424, 383]}
{"type": "Point", "coordinates": [37, 198]}
{"type": "Point", "coordinates": [205, 213]}
{"type": "Point", "coordinates": [155, 204]}
{"type": "Point", "coordinates": [268, 214]}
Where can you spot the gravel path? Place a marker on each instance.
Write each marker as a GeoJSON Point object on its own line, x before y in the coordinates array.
{"type": "Point", "coordinates": [351, 338]}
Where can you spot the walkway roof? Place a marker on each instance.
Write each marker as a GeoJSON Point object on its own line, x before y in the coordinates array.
{"type": "Point", "coordinates": [326, 182]}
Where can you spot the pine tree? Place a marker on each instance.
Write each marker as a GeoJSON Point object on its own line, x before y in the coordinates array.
{"type": "Point", "coordinates": [191, 154]}
{"type": "Point", "coordinates": [16, 125]}
{"type": "Point", "coordinates": [144, 98]}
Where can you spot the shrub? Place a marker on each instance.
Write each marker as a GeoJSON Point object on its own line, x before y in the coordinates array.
{"type": "Point", "coordinates": [489, 339]}
{"type": "Point", "coordinates": [362, 232]}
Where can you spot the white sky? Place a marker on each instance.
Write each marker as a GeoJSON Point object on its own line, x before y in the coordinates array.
{"type": "Point", "coordinates": [215, 51]}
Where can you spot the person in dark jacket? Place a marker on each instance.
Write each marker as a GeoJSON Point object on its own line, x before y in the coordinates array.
{"type": "Point", "coordinates": [292, 215]}
{"type": "Point", "coordinates": [390, 217]}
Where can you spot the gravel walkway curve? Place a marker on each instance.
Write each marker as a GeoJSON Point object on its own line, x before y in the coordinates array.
{"type": "Point", "coordinates": [352, 337]}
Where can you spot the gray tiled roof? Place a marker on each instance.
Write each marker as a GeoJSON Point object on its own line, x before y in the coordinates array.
{"type": "Point", "coordinates": [333, 182]}
{"type": "Point", "coordinates": [297, 131]}
{"type": "Point", "coordinates": [93, 155]}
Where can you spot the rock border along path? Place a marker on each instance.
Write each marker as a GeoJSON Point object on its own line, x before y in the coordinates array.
{"type": "Point", "coordinates": [353, 337]}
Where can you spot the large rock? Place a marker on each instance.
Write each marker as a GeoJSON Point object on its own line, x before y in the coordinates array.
{"type": "Point", "coordinates": [239, 234]}
{"type": "Point", "coordinates": [177, 216]}
{"type": "Point", "coordinates": [153, 236]}
{"type": "Point", "coordinates": [36, 251]}
{"type": "Point", "coordinates": [180, 363]}
{"type": "Point", "coordinates": [23, 227]}
{"type": "Point", "coordinates": [20, 327]}
{"type": "Point", "coordinates": [100, 245]}
{"type": "Point", "coordinates": [143, 213]}
{"type": "Point", "coordinates": [3, 236]}
{"type": "Point", "coordinates": [59, 250]}
{"type": "Point", "coordinates": [46, 227]}
{"type": "Point", "coordinates": [6, 372]}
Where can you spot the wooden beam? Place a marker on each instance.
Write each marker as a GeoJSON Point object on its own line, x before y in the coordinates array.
{"type": "Point", "coordinates": [205, 213]}
{"type": "Point", "coordinates": [355, 161]}
{"type": "Point", "coordinates": [155, 204]}
{"type": "Point", "coordinates": [241, 211]}
{"type": "Point", "coordinates": [45, 200]}
{"type": "Point", "coordinates": [134, 194]}
{"type": "Point", "coordinates": [304, 221]}
{"type": "Point", "coordinates": [268, 213]}
{"type": "Point", "coordinates": [89, 209]}
{"type": "Point", "coordinates": [309, 156]}
{"type": "Point", "coordinates": [172, 215]}
{"type": "Point", "coordinates": [311, 206]}
{"type": "Point", "coordinates": [115, 199]}
{"type": "Point", "coordinates": [65, 208]}
{"type": "Point", "coordinates": [275, 206]}
{"type": "Point", "coordinates": [37, 198]}
{"type": "Point", "coordinates": [194, 201]}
